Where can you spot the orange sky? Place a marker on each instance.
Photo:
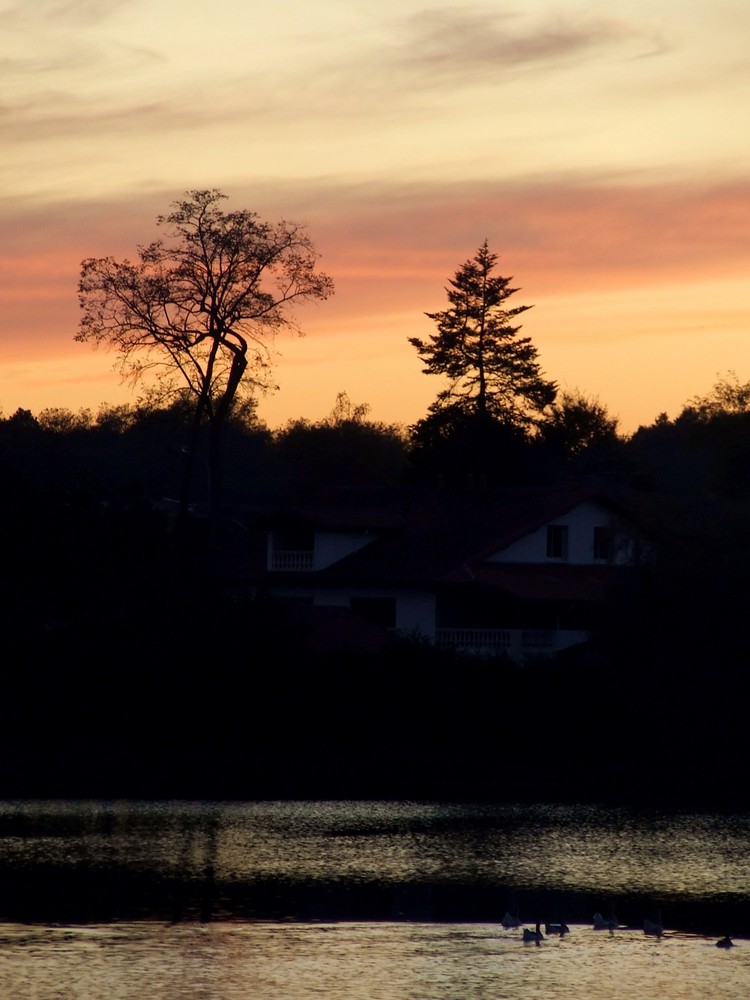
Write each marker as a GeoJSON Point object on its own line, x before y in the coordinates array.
{"type": "Point", "coordinates": [605, 158]}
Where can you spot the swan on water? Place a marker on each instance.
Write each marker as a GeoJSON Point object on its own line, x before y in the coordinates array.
{"type": "Point", "coordinates": [510, 923]}
{"type": "Point", "coordinates": [725, 942]}
{"type": "Point", "coordinates": [654, 928]}
{"type": "Point", "coordinates": [601, 924]}
{"type": "Point", "coordinates": [529, 935]}
{"type": "Point", "coordinates": [560, 929]}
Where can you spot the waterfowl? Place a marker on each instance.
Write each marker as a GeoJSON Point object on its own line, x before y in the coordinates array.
{"type": "Point", "coordinates": [600, 924]}
{"type": "Point", "coordinates": [725, 942]}
{"type": "Point", "coordinates": [560, 929]}
{"type": "Point", "coordinates": [654, 928]}
{"type": "Point", "coordinates": [510, 923]}
{"type": "Point", "coordinates": [536, 935]}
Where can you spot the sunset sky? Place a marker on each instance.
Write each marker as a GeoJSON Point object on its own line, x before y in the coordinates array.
{"type": "Point", "coordinates": [604, 153]}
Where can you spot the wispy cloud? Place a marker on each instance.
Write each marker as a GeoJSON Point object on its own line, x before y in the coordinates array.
{"type": "Point", "coordinates": [76, 83]}
{"type": "Point", "coordinates": [464, 44]}
{"type": "Point", "coordinates": [564, 234]}
{"type": "Point", "coordinates": [420, 62]}
{"type": "Point", "coordinates": [59, 115]}
{"type": "Point", "coordinates": [72, 13]}
{"type": "Point", "coordinates": [49, 61]}
{"type": "Point", "coordinates": [49, 64]}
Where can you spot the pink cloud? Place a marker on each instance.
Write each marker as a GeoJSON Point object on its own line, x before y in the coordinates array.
{"type": "Point", "coordinates": [391, 249]}
{"type": "Point", "coordinates": [560, 236]}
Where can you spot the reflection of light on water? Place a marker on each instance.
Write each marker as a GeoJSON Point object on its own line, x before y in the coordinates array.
{"type": "Point", "coordinates": [226, 859]}
{"type": "Point", "coordinates": [583, 848]}
{"type": "Point", "coordinates": [587, 848]}
{"type": "Point", "coordinates": [206, 850]}
{"type": "Point", "coordinates": [661, 855]}
{"type": "Point", "coordinates": [360, 961]}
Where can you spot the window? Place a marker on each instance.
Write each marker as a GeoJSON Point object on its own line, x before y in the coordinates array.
{"type": "Point", "coordinates": [603, 546]}
{"type": "Point", "coordinates": [557, 541]}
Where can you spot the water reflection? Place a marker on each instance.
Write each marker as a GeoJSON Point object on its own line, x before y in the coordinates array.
{"type": "Point", "coordinates": [355, 961]}
{"type": "Point", "coordinates": [349, 860]}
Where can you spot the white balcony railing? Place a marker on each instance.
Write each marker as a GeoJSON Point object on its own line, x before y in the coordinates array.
{"type": "Point", "coordinates": [517, 643]}
{"type": "Point", "coordinates": [292, 560]}
{"type": "Point", "coordinates": [474, 640]}
{"type": "Point", "coordinates": [538, 638]}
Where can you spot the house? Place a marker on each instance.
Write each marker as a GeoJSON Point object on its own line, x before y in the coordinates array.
{"type": "Point", "coordinates": [520, 572]}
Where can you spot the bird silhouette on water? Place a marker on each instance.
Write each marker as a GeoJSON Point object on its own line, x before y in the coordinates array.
{"type": "Point", "coordinates": [654, 928]}
{"type": "Point", "coordinates": [535, 936]}
{"type": "Point", "coordinates": [609, 923]}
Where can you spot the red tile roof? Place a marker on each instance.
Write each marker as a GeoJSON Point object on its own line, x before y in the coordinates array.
{"type": "Point", "coordinates": [561, 581]}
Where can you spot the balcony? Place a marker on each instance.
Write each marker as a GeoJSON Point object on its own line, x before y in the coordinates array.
{"type": "Point", "coordinates": [516, 643]}
{"type": "Point", "coordinates": [481, 641]}
{"type": "Point", "coordinates": [538, 640]}
{"type": "Point", "coordinates": [292, 560]}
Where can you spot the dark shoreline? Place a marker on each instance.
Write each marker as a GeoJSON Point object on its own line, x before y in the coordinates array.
{"type": "Point", "coordinates": [94, 896]}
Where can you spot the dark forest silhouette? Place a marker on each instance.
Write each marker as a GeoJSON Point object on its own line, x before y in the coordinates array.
{"type": "Point", "coordinates": [119, 679]}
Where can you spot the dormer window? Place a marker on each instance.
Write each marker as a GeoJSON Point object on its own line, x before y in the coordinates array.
{"type": "Point", "coordinates": [557, 541]}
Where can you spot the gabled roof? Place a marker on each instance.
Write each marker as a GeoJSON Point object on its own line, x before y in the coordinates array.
{"type": "Point", "coordinates": [540, 582]}
{"type": "Point", "coordinates": [336, 509]}
{"type": "Point", "coordinates": [539, 508]}
{"type": "Point", "coordinates": [441, 533]}
{"type": "Point", "coordinates": [334, 518]}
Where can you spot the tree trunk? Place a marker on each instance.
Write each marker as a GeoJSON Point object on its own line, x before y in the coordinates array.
{"type": "Point", "coordinates": [188, 468]}
{"type": "Point", "coordinates": [216, 438]}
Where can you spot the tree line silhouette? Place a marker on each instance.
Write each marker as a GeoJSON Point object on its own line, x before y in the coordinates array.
{"type": "Point", "coordinates": [129, 670]}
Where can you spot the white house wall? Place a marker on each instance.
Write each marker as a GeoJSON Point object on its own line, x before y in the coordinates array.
{"type": "Point", "coordinates": [330, 546]}
{"type": "Point", "coordinates": [581, 521]}
{"type": "Point", "coordinates": [415, 614]}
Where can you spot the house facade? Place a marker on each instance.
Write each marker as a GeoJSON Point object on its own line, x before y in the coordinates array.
{"type": "Point", "coordinates": [522, 573]}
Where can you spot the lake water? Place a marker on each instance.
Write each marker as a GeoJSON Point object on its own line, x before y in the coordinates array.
{"type": "Point", "coordinates": [367, 900]}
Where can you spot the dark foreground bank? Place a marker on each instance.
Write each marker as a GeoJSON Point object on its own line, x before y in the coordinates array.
{"type": "Point", "coordinates": [236, 708]}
